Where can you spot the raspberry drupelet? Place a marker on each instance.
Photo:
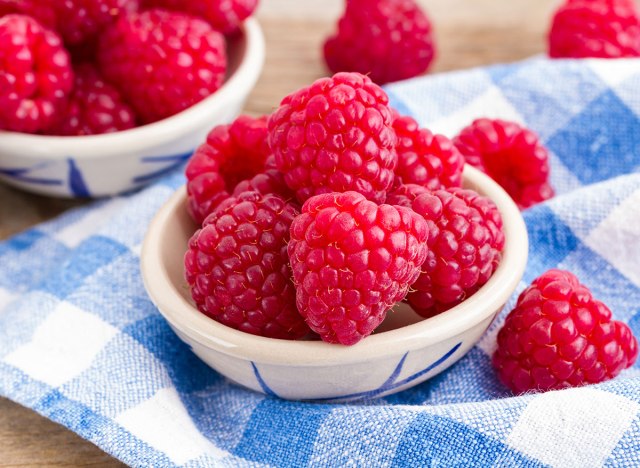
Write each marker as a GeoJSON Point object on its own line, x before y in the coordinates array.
{"type": "Point", "coordinates": [404, 194]}
{"type": "Point", "coordinates": [36, 76]}
{"type": "Point", "coordinates": [390, 40]}
{"type": "Point", "coordinates": [334, 136]}
{"type": "Point", "coordinates": [231, 154]}
{"type": "Point", "coordinates": [352, 260]}
{"type": "Point", "coordinates": [162, 62]}
{"type": "Point", "coordinates": [559, 336]}
{"type": "Point", "coordinates": [511, 155]}
{"type": "Point", "coordinates": [269, 181]}
{"type": "Point", "coordinates": [238, 268]}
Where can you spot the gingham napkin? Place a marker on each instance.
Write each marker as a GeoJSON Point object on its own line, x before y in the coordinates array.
{"type": "Point", "coordinates": [81, 343]}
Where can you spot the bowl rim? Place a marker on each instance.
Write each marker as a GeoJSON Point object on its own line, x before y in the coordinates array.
{"type": "Point", "coordinates": [161, 132]}
{"type": "Point", "coordinates": [487, 301]}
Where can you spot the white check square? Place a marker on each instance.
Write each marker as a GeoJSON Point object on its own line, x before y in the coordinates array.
{"type": "Point", "coordinates": [616, 238]}
{"type": "Point", "coordinates": [163, 422]}
{"type": "Point", "coordinates": [572, 428]}
{"type": "Point", "coordinates": [63, 346]}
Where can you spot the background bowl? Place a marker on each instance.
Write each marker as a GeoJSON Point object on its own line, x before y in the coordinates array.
{"type": "Point", "coordinates": [403, 352]}
{"type": "Point", "coordinates": [93, 166]}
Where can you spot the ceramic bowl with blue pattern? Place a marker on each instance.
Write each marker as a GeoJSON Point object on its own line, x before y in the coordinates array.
{"type": "Point", "coordinates": [405, 351]}
{"type": "Point", "coordinates": [101, 165]}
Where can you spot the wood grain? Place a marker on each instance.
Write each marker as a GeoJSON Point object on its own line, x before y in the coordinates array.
{"type": "Point", "coordinates": [468, 33]}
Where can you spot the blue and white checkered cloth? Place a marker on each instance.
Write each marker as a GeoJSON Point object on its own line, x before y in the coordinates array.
{"type": "Point", "coordinates": [81, 343]}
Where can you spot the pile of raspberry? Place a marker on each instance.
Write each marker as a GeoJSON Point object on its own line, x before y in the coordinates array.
{"type": "Point", "coordinates": [314, 221]}
{"type": "Point", "coordinates": [87, 67]}
{"type": "Point", "coordinates": [319, 218]}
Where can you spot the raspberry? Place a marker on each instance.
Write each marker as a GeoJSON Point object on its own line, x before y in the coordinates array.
{"type": "Point", "coordinates": [389, 40]}
{"type": "Point", "coordinates": [231, 154]}
{"type": "Point", "coordinates": [559, 336]}
{"type": "Point", "coordinates": [35, 75]}
{"type": "Point", "coordinates": [270, 181]}
{"type": "Point", "coordinates": [465, 244]}
{"type": "Point", "coordinates": [335, 135]}
{"type": "Point", "coordinates": [352, 260]}
{"type": "Point", "coordinates": [405, 194]}
{"type": "Point", "coordinates": [41, 10]}
{"type": "Point", "coordinates": [82, 20]}
{"type": "Point", "coordinates": [511, 155]}
{"type": "Point", "coordinates": [602, 28]}
{"type": "Point", "coordinates": [162, 62]}
{"type": "Point", "coordinates": [94, 107]}
{"type": "Point", "coordinates": [224, 15]}
{"type": "Point", "coordinates": [77, 21]}
{"type": "Point", "coordinates": [426, 159]}
{"type": "Point", "coordinates": [238, 269]}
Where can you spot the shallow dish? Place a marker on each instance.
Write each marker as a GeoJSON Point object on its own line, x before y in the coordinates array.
{"type": "Point", "coordinates": [99, 165]}
{"type": "Point", "coordinates": [403, 352]}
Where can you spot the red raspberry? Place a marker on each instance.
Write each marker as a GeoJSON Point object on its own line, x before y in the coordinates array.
{"type": "Point", "coordinates": [465, 244]}
{"type": "Point", "coordinates": [82, 20]}
{"type": "Point", "coordinates": [238, 268]}
{"type": "Point", "coordinates": [352, 260]}
{"type": "Point", "coordinates": [231, 154]}
{"type": "Point", "coordinates": [335, 135]}
{"type": "Point", "coordinates": [35, 75]}
{"type": "Point", "coordinates": [94, 107]}
{"type": "Point", "coordinates": [162, 62]}
{"type": "Point", "coordinates": [270, 181]}
{"type": "Point", "coordinates": [41, 10]}
{"type": "Point", "coordinates": [426, 159]}
{"type": "Point", "coordinates": [224, 15]}
{"type": "Point", "coordinates": [405, 194]}
{"type": "Point", "coordinates": [77, 21]}
{"type": "Point", "coordinates": [590, 28]}
{"type": "Point", "coordinates": [511, 155]}
{"type": "Point", "coordinates": [559, 336]}
{"type": "Point", "coordinates": [389, 40]}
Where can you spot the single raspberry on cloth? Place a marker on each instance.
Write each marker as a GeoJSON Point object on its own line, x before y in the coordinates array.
{"type": "Point", "coordinates": [94, 107]}
{"type": "Point", "coordinates": [162, 62]}
{"type": "Point", "coordinates": [352, 260]}
{"type": "Point", "coordinates": [511, 155]}
{"type": "Point", "coordinates": [224, 15]}
{"type": "Point", "coordinates": [465, 244]}
{"type": "Point", "coordinates": [426, 159]}
{"type": "Point", "coordinates": [231, 154]}
{"type": "Point", "coordinates": [77, 21]}
{"type": "Point", "coordinates": [238, 268]}
{"type": "Point", "coordinates": [559, 336]}
{"type": "Point", "coordinates": [35, 75]}
{"type": "Point", "coordinates": [595, 28]}
{"type": "Point", "coordinates": [389, 40]}
{"type": "Point", "coordinates": [334, 136]}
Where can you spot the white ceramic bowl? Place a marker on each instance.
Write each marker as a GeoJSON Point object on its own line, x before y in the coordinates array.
{"type": "Point", "coordinates": [405, 351]}
{"type": "Point", "coordinates": [93, 166]}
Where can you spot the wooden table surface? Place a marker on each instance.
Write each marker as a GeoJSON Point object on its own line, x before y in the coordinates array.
{"type": "Point", "coordinates": [468, 33]}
